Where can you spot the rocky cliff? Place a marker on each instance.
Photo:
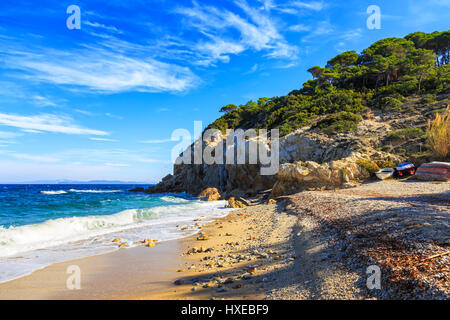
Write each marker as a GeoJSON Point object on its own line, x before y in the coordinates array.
{"type": "Point", "coordinates": [307, 160]}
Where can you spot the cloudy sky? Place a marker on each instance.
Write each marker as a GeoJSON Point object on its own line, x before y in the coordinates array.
{"type": "Point", "coordinates": [102, 102]}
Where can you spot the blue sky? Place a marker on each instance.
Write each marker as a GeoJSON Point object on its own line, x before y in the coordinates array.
{"type": "Point", "coordinates": [102, 102]}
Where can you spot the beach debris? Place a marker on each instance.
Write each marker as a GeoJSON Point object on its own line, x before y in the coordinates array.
{"type": "Point", "coordinates": [181, 270]}
{"type": "Point", "coordinates": [223, 264]}
{"type": "Point", "coordinates": [228, 234]}
{"type": "Point", "coordinates": [222, 289]}
{"type": "Point", "coordinates": [271, 201]}
{"type": "Point", "coordinates": [123, 244]}
{"type": "Point", "coordinates": [192, 251]}
{"type": "Point", "coordinates": [151, 244]}
{"type": "Point", "coordinates": [202, 236]}
{"type": "Point", "coordinates": [178, 282]}
{"type": "Point", "coordinates": [208, 285]}
{"type": "Point", "coordinates": [251, 270]}
{"type": "Point", "coordinates": [228, 281]}
{"type": "Point", "coordinates": [263, 255]}
{"type": "Point", "coordinates": [238, 286]}
{"type": "Point", "coordinates": [247, 276]}
{"type": "Point", "coordinates": [146, 241]}
{"type": "Point", "coordinates": [117, 240]}
{"type": "Point", "coordinates": [209, 194]}
{"type": "Point", "coordinates": [437, 255]}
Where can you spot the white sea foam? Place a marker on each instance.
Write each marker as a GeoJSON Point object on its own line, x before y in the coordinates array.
{"type": "Point", "coordinates": [29, 247]}
{"type": "Point", "coordinates": [54, 192]}
{"type": "Point", "coordinates": [94, 191]}
{"type": "Point", "coordinates": [172, 199]}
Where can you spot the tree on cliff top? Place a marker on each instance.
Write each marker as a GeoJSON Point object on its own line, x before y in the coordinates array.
{"type": "Point", "coordinates": [381, 76]}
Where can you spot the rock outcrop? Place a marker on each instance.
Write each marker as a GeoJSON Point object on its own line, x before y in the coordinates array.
{"type": "Point", "coordinates": [233, 203]}
{"type": "Point", "coordinates": [209, 194]}
{"type": "Point", "coordinates": [344, 173]}
{"type": "Point", "coordinates": [307, 160]}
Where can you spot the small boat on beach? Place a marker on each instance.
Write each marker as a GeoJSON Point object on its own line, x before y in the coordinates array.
{"type": "Point", "coordinates": [405, 169]}
{"type": "Point", "coordinates": [385, 173]}
{"type": "Point", "coordinates": [439, 171]}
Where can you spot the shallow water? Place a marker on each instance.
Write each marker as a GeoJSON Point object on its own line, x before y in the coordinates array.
{"type": "Point", "coordinates": [44, 224]}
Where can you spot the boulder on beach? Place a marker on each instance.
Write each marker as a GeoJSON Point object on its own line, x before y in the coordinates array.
{"type": "Point", "coordinates": [233, 203]}
{"type": "Point", "coordinates": [210, 194]}
{"type": "Point", "coordinates": [439, 171]}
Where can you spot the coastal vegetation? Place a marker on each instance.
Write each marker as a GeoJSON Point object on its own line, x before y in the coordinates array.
{"type": "Point", "coordinates": [393, 75]}
{"type": "Point", "coordinates": [438, 134]}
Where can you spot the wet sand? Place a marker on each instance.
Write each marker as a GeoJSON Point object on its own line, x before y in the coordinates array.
{"type": "Point", "coordinates": [117, 275]}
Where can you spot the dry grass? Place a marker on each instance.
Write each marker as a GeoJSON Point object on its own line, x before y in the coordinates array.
{"type": "Point", "coordinates": [438, 134]}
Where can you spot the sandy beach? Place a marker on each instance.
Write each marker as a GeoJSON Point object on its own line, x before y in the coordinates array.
{"type": "Point", "coordinates": [311, 245]}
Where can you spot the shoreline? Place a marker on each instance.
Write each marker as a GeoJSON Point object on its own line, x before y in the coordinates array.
{"type": "Point", "coordinates": [310, 245]}
{"type": "Point", "coordinates": [111, 275]}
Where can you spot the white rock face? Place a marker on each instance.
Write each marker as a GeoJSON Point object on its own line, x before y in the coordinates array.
{"type": "Point", "coordinates": [306, 159]}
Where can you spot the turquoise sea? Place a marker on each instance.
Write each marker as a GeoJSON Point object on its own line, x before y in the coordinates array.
{"type": "Point", "coordinates": [45, 224]}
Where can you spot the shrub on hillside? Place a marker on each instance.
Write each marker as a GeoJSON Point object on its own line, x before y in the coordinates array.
{"type": "Point", "coordinates": [408, 133]}
{"type": "Point", "coordinates": [370, 166]}
{"type": "Point", "coordinates": [339, 123]}
{"type": "Point", "coordinates": [438, 134]}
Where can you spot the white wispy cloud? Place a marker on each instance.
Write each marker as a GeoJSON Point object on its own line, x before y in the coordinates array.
{"type": "Point", "coordinates": [109, 164]}
{"type": "Point", "coordinates": [46, 123]}
{"type": "Point", "coordinates": [252, 69]}
{"type": "Point", "coordinates": [105, 71]}
{"type": "Point", "coordinates": [299, 28]}
{"type": "Point", "coordinates": [323, 28]}
{"type": "Point", "coordinates": [101, 67]}
{"type": "Point", "coordinates": [103, 139]}
{"type": "Point", "coordinates": [37, 158]}
{"type": "Point", "coordinates": [352, 34]}
{"type": "Point", "coordinates": [312, 5]}
{"type": "Point", "coordinates": [157, 141]}
{"type": "Point", "coordinates": [102, 26]}
{"type": "Point", "coordinates": [9, 135]}
{"type": "Point", "coordinates": [257, 30]}
{"type": "Point", "coordinates": [43, 101]}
